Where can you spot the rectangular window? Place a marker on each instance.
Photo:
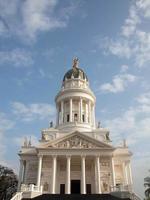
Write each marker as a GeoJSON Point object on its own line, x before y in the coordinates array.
{"type": "Point", "coordinates": [83, 118]}
{"type": "Point", "coordinates": [68, 118]}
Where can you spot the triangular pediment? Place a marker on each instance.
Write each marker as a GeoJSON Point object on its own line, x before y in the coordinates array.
{"type": "Point", "coordinates": [77, 140]}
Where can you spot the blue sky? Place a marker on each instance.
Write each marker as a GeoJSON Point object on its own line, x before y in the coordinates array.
{"type": "Point", "coordinates": [38, 40]}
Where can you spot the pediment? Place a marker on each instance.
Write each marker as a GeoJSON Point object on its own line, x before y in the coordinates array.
{"type": "Point", "coordinates": [78, 141]}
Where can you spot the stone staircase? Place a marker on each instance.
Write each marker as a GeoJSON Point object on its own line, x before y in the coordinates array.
{"type": "Point", "coordinates": [77, 197]}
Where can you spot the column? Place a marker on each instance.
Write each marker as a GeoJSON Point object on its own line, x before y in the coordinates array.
{"type": "Point", "coordinates": [89, 111]}
{"type": "Point", "coordinates": [70, 110]}
{"type": "Point", "coordinates": [80, 109]}
{"type": "Point", "coordinates": [86, 113]}
{"type": "Point", "coordinates": [39, 170]}
{"type": "Point", "coordinates": [124, 173]}
{"type": "Point", "coordinates": [130, 173]}
{"type": "Point", "coordinates": [98, 175]}
{"type": "Point", "coordinates": [113, 173]}
{"type": "Point", "coordinates": [21, 173]}
{"type": "Point", "coordinates": [93, 115]}
{"type": "Point", "coordinates": [57, 119]}
{"type": "Point", "coordinates": [54, 169]}
{"type": "Point", "coordinates": [83, 180]}
{"type": "Point", "coordinates": [67, 188]}
{"type": "Point", "coordinates": [62, 112]}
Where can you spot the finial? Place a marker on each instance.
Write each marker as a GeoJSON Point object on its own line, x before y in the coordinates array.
{"type": "Point", "coordinates": [25, 144]}
{"type": "Point", "coordinates": [99, 124]}
{"type": "Point", "coordinates": [29, 143]}
{"type": "Point", "coordinates": [51, 124]}
{"type": "Point", "coordinates": [75, 62]}
{"type": "Point", "coordinates": [124, 143]}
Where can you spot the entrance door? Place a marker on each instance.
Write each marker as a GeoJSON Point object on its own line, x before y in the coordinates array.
{"type": "Point", "coordinates": [62, 188]}
{"type": "Point", "coordinates": [88, 188]}
{"type": "Point", "coordinates": [75, 186]}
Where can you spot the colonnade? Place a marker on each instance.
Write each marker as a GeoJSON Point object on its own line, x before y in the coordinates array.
{"type": "Point", "coordinates": [126, 168]}
{"type": "Point", "coordinates": [89, 112]}
{"type": "Point", "coordinates": [68, 174]}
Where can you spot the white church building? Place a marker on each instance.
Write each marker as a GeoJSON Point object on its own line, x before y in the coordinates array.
{"type": "Point", "coordinates": [75, 156]}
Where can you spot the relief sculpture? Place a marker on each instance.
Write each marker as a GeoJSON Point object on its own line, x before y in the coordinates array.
{"type": "Point", "coordinates": [75, 142]}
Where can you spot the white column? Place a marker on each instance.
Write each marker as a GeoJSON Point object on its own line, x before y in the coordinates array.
{"type": "Point", "coordinates": [89, 111]}
{"type": "Point", "coordinates": [130, 174]}
{"type": "Point", "coordinates": [93, 115]}
{"type": "Point", "coordinates": [62, 111]}
{"type": "Point", "coordinates": [80, 109]}
{"type": "Point", "coordinates": [57, 119]}
{"type": "Point", "coordinates": [124, 173]}
{"type": "Point", "coordinates": [113, 172]}
{"type": "Point", "coordinates": [86, 113]}
{"type": "Point", "coordinates": [83, 179]}
{"type": "Point", "coordinates": [67, 188]}
{"type": "Point", "coordinates": [70, 110]}
{"type": "Point", "coordinates": [54, 169]}
{"type": "Point", "coordinates": [98, 175]}
{"type": "Point", "coordinates": [39, 170]}
{"type": "Point", "coordinates": [21, 173]}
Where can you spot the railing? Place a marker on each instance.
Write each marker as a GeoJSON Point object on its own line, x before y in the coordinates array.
{"type": "Point", "coordinates": [121, 188]}
{"type": "Point", "coordinates": [17, 196]}
{"type": "Point", "coordinates": [133, 196]}
{"type": "Point", "coordinates": [31, 188]}
{"type": "Point", "coordinates": [126, 191]}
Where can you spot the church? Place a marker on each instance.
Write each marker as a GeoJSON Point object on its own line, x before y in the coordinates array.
{"type": "Point", "coordinates": [74, 156]}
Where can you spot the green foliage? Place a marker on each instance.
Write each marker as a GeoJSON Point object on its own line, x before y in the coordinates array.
{"type": "Point", "coordinates": [147, 186]}
{"type": "Point", "coordinates": [8, 183]}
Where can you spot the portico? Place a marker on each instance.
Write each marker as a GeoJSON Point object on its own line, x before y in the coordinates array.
{"type": "Point", "coordinates": [66, 168]}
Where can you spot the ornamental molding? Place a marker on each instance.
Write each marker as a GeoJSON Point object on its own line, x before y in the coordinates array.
{"type": "Point", "coordinates": [76, 140]}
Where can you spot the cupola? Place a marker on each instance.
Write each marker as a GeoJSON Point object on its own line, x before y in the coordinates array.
{"type": "Point", "coordinates": [75, 102]}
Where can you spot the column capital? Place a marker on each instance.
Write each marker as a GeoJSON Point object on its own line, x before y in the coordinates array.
{"type": "Point", "coordinates": [40, 156]}
{"type": "Point", "coordinates": [54, 156]}
{"type": "Point", "coordinates": [83, 155]}
{"type": "Point", "coordinates": [68, 156]}
{"type": "Point", "coordinates": [97, 156]}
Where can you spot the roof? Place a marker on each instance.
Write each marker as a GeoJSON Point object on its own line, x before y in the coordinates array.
{"type": "Point", "coordinates": [76, 73]}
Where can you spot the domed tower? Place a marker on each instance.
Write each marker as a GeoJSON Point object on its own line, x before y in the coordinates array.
{"type": "Point", "coordinates": [75, 102]}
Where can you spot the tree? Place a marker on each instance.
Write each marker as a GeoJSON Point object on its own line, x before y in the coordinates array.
{"type": "Point", "coordinates": [147, 185]}
{"type": "Point", "coordinates": [8, 183]}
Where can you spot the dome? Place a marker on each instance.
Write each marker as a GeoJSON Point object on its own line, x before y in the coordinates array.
{"type": "Point", "coordinates": [75, 72]}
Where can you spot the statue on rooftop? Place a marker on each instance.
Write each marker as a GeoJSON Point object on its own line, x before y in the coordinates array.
{"type": "Point", "coordinates": [75, 62]}
{"type": "Point", "coordinates": [51, 124]}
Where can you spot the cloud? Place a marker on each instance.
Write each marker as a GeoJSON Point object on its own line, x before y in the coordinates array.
{"type": "Point", "coordinates": [119, 82]}
{"type": "Point", "coordinates": [134, 40]}
{"type": "Point", "coordinates": [27, 19]}
{"type": "Point", "coordinates": [124, 68]}
{"type": "Point", "coordinates": [133, 124]}
{"type": "Point", "coordinates": [35, 111]}
{"type": "Point", "coordinates": [16, 57]}
{"type": "Point", "coordinates": [144, 99]}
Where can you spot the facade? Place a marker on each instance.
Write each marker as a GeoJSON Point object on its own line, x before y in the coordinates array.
{"type": "Point", "coordinates": [75, 156]}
